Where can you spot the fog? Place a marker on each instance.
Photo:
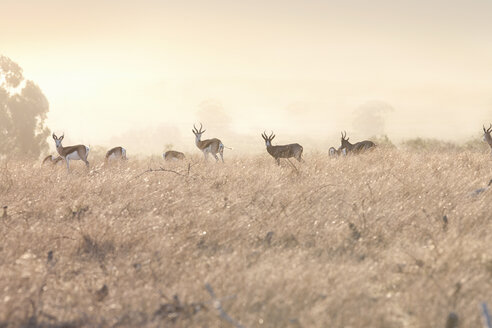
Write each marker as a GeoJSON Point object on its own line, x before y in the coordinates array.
{"type": "Point", "coordinates": [141, 74]}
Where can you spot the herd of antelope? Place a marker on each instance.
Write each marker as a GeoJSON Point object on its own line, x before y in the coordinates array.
{"type": "Point", "coordinates": [214, 146]}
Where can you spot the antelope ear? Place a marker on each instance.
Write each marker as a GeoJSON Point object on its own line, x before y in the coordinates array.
{"type": "Point", "coordinates": [61, 138]}
{"type": "Point", "coordinates": [54, 136]}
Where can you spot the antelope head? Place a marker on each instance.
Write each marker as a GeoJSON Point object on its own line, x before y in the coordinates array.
{"type": "Point", "coordinates": [268, 139]}
{"type": "Point", "coordinates": [345, 141]}
{"type": "Point", "coordinates": [58, 140]}
{"type": "Point", "coordinates": [198, 133]}
{"type": "Point", "coordinates": [486, 135]}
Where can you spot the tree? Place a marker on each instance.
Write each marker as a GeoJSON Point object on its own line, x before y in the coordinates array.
{"type": "Point", "coordinates": [23, 110]}
{"type": "Point", "coordinates": [370, 118]}
{"type": "Point", "coordinates": [213, 115]}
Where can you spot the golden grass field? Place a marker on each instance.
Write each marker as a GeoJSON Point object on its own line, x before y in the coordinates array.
{"type": "Point", "coordinates": [358, 241]}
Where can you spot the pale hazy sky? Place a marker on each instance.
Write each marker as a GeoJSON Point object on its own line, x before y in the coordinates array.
{"type": "Point", "coordinates": [298, 67]}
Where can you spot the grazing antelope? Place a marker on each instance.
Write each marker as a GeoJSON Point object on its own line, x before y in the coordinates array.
{"type": "Point", "coordinates": [209, 146]}
{"type": "Point", "coordinates": [333, 152]}
{"type": "Point", "coordinates": [52, 160]}
{"type": "Point", "coordinates": [356, 147]}
{"type": "Point", "coordinates": [282, 151]}
{"type": "Point", "coordinates": [487, 137]}
{"type": "Point", "coordinates": [78, 152]}
{"type": "Point", "coordinates": [172, 155]}
{"type": "Point", "coordinates": [116, 153]}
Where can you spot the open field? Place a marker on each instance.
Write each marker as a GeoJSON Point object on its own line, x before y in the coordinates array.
{"type": "Point", "coordinates": [349, 242]}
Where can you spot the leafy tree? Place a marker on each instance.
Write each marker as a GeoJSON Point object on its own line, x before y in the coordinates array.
{"type": "Point", "coordinates": [213, 115]}
{"type": "Point", "coordinates": [23, 110]}
{"type": "Point", "coordinates": [370, 118]}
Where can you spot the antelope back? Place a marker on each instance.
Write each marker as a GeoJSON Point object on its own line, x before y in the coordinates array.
{"type": "Point", "coordinates": [173, 155]}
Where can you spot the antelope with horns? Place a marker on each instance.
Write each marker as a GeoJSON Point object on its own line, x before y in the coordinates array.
{"type": "Point", "coordinates": [282, 151]}
{"type": "Point", "coordinates": [50, 159]}
{"type": "Point", "coordinates": [115, 154]}
{"type": "Point", "coordinates": [209, 146]}
{"type": "Point", "coordinates": [78, 152]}
{"type": "Point", "coordinates": [356, 147]}
{"type": "Point", "coordinates": [172, 155]}
{"type": "Point", "coordinates": [486, 135]}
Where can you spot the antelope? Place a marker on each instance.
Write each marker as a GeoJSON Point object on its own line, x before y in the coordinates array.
{"type": "Point", "coordinates": [333, 152]}
{"type": "Point", "coordinates": [282, 151]}
{"type": "Point", "coordinates": [52, 160]}
{"type": "Point", "coordinates": [209, 146]}
{"type": "Point", "coordinates": [356, 147]}
{"type": "Point", "coordinates": [78, 152]}
{"type": "Point", "coordinates": [172, 155]}
{"type": "Point", "coordinates": [486, 135]}
{"type": "Point", "coordinates": [116, 153]}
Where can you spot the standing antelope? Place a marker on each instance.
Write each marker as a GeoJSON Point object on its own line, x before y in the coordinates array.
{"type": "Point", "coordinates": [78, 152]}
{"type": "Point", "coordinates": [487, 137]}
{"type": "Point", "coordinates": [356, 147]}
{"type": "Point", "coordinates": [282, 151]}
{"type": "Point", "coordinates": [209, 146]}
{"type": "Point", "coordinates": [116, 153]}
{"type": "Point", "coordinates": [52, 160]}
{"type": "Point", "coordinates": [172, 155]}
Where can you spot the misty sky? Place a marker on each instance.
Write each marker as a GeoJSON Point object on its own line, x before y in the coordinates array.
{"type": "Point", "coordinates": [111, 68]}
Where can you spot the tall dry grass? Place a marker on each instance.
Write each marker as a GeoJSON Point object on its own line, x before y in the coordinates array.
{"type": "Point", "coordinates": [349, 242]}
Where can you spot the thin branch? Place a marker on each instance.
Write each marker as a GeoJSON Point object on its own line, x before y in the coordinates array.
{"type": "Point", "coordinates": [189, 168]}
{"type": "Point", "coordinates": [160, 169]}
{"type": "Point", "coordinates": [218, 306]}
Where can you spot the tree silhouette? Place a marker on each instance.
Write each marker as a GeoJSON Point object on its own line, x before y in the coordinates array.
{"type": "Point", "coordinates": [213, 115]}
{"type": "Point", "coordinates": [23, 110]}
{"type": "Point", "coordinates": [370, 118]}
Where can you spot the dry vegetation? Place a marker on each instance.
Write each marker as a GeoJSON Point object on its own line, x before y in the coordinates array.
{"type": "Point", "coordinates": [348, 242]}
